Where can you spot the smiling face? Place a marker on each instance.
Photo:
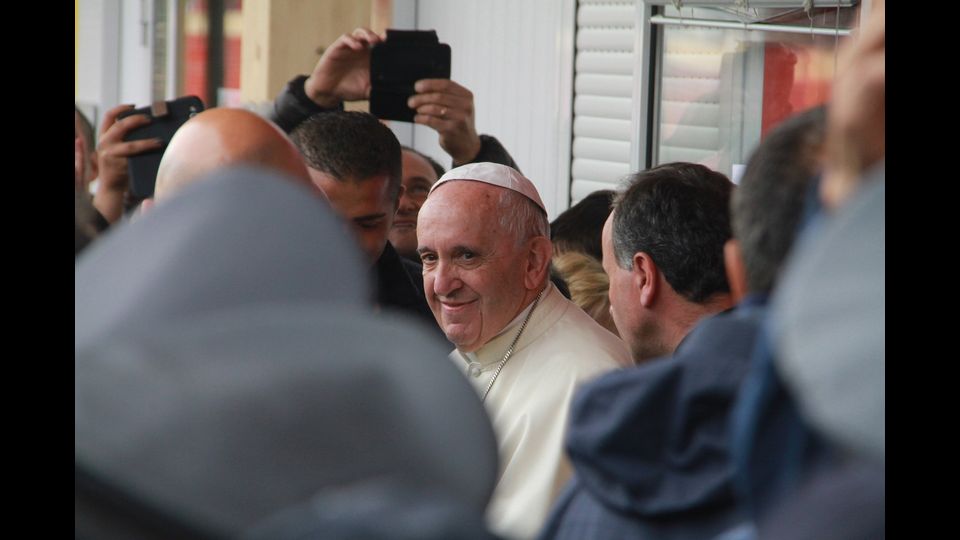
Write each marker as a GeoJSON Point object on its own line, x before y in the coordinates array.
{"type": "Point", "coordinates": [366, 204]}
{"type": "Point", "coordinates": [418, 176]}
{"type": "Point", "coordinates": [475, 276]}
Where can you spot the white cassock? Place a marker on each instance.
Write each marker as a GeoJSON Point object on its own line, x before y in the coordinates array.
{"type": "Point", "coordinates": [560, 348]}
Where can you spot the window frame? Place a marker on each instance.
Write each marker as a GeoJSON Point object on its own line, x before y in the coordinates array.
{"type": "Point", "coordinates": [648, 49]}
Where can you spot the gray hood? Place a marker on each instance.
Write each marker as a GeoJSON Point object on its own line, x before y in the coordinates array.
{"type": "Point", "coordinates": [240, 236]}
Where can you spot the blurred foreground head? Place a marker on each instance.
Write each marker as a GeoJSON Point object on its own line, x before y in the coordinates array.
{"type": "Point", "coordinates": [242, 236]}
{"type": "Point", "coordinates": [230, 380]}
{"type": "Point", "coordinates": [277, 421]}
{"type": "Point", "coordinates": [223, 137]}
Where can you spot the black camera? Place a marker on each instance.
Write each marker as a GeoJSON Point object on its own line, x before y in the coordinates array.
{"type": "Point", "coordinates": [166, 117]}
{"type": "Point", "coordinates": [402, 59]}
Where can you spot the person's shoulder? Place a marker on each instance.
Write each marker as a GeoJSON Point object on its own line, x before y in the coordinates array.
{"type": "Point", "coordinates": [580, 343]}
{"type": "Point", "coordinates": [576, 322]}
{"type": "Point", "coordinates": [734, 326]}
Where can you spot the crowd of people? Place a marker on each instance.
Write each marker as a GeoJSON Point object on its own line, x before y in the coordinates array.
{"type": "Point", "coordinates": [312, 331]}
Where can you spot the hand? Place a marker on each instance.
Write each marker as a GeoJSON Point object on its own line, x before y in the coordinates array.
{"type": "Point", "coordinates": [448, 108]}
{"type": "Point", "coordinates": [343, 72]}
{"type": "Point", "coordinates": [856, 115]}
{"type": "Point", "coordinates": [112, 154]}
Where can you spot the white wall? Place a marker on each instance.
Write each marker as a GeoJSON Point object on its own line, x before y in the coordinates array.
{"type": "Point", "coordinates": [404, 18]}
{"type": "Point", "coordinates": [517, 59]}
{"type": "Point", "coordinates": [113, 63]}
{"type": "Point", "coordinates": [135, 59]}
{"type": "Point", "coordinates": [98, 39]}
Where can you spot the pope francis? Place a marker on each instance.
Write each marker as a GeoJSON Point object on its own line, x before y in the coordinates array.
{"type": "Point", "coordinates": [484, 239]}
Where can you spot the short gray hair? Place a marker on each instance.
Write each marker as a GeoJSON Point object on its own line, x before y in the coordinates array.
{"type": "Point", "coordinates": [521, 217]}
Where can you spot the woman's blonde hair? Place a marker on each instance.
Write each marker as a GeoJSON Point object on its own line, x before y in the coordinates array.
{"type": "Point", "coordinates": [588, 285]}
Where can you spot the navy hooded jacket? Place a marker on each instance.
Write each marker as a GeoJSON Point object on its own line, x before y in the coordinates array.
{"type": "Point", "coordinates": [649, 445]}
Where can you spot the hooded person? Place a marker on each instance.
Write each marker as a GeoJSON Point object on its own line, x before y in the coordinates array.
{"type": "Point", "coordinates": [214, 246]}
{"type": "Point", "coordinates": [809, 428]}
{"type": "Point", "coordinates": [222, 390]}
{"type": "Point", "coordinates": [829, 316]}
{"type": "Point", "coordinates": [831, 337]}
{"type": "Point", "coordinates": [828, 338]}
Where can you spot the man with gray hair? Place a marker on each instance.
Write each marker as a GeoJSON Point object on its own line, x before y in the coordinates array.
{"type": "Point", "coordinates": [484, 239]}
{"type": "Point", "coordinates": [663, 250]}
{"type": "Point", "coordinates": [666, 464]}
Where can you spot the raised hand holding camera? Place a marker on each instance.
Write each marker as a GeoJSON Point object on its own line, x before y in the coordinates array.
{"type": "Point", "coordinates": [114, 152]}
{"type": "Point", "coordinates": [343, 72]}
{"type": "Point", "coordinates": [396, 64]}
{"type": "Point", "coordinates": [448, 108]}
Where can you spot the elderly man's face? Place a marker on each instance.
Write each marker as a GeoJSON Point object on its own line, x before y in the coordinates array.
{"type": "Point", "coordinates": [418, 176]}
{"type": "Point", "coordinates": [473, 270]}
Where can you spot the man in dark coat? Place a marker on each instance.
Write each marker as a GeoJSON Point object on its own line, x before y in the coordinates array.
{"type": "Point", "coordinates": [355, 160]}
{"type": "Point", "coordinates": [650, 446]}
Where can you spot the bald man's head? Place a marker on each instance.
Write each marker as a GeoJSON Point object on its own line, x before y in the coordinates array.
{"type": "Point", "coordinates": [219, 137]}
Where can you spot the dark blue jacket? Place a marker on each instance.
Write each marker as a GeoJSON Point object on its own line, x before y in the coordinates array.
{"type": "Point", "coordinates": [649, 445]}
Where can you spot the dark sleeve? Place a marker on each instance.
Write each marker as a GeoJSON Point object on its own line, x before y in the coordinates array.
{"type": "Point", "coordinates": [292, 106]}
{"type": "Point", "coordinates": [491, 150]}
{"type": "Point", "coordinates": [415, 273]}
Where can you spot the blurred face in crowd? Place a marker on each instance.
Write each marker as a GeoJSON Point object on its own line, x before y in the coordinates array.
{"type": "Point", "coordinates": [418, 177]}
{"type": "Point", "coordinates": [474, 271]}
{"type": "Point", "coordinates": [88, 166]}
{"type": "Point", "coordinates": [365, 203]}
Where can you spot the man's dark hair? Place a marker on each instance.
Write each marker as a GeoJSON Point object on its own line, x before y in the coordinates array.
{"type": "Point", "coordinates": [350, 145]}
{"type": "Point", "coordinates": [679, 214]}
{"type": "Point", "coordinates": [86, 129]}
{"type": "Point", "coordinates": [766, 207]}
{"type": "Point", "coordinates": [580, 227]}
{"type": "Point", "coordinates": [437, 168]}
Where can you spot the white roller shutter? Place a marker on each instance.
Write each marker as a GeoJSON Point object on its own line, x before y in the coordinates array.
{"type": "Point", "coordinates": [690, 96]}
{"type": "Point", "coordinates": [706, 88]}
{"type": "Point", "coordinates": [603, 91]}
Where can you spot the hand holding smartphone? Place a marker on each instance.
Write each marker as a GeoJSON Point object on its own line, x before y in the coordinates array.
{"type": "Point", "coordinates": [397, 63]}
{"type": "Point", "coordinates": [166, 118]}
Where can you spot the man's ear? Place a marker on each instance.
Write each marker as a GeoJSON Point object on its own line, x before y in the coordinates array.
{"type": "Point", "coordinates": [539, 255]}
{"type": "Point", "coordinates": [645, 278]}
{"type": "Point", "coordinates": [736, 271]}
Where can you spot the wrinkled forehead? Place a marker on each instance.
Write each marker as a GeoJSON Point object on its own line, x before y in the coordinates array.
{"type": "Point", "coordinates": [469, 196]}
{"type": "Point", "coordinates": [462, 206]}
